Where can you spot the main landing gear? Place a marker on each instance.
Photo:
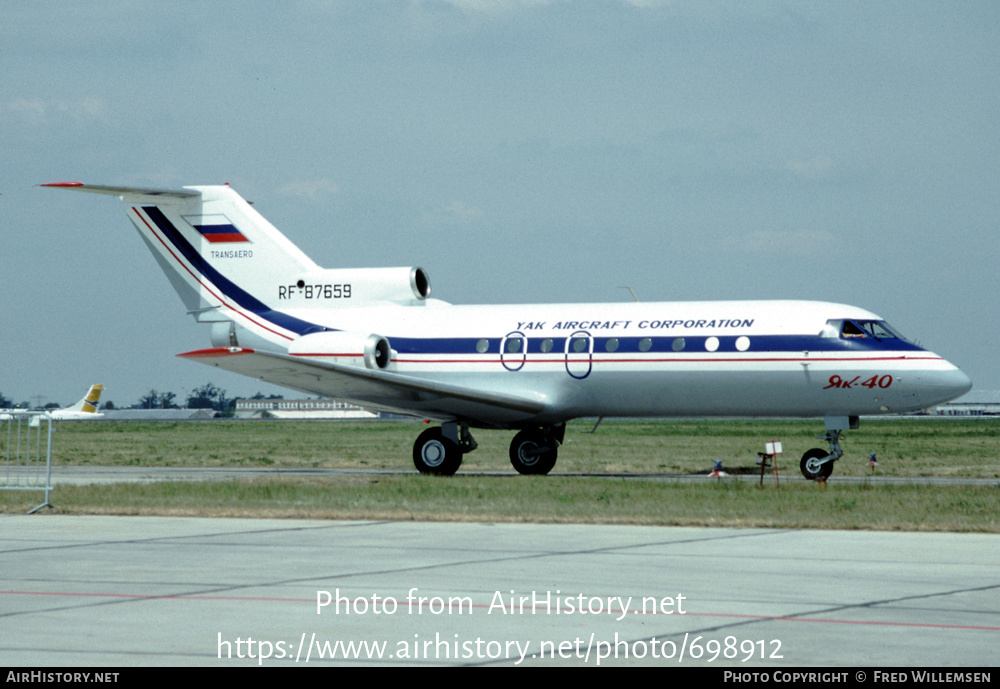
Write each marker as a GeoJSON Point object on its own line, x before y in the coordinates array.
{"type": "Point", "coordinates": [534, 450]}
{"type": "Point", "coordinates": [440, 450]}
{"type": "Point", "coordinates": [817, 464]}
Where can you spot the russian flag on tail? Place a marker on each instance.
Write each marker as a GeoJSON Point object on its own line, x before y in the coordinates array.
{"type": "Point", "coordinates": [217, 229]}
{"type": "Point", "coordinates": [221, 234]}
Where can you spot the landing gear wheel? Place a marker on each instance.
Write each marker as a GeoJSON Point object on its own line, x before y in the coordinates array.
{"type": "Point", "coordinates": [433, 453]}
{"type": "Point", "coordinates": [533, 452]}
{"type": "Point", "coordinates": [812, 468]}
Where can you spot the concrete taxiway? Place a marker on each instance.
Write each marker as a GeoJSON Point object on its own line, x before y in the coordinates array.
{"type": "Point", "coordinates": [131, 591]}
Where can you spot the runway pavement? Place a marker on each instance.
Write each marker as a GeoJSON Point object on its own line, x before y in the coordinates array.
{"type": "Point", "coordinates": [139, 591]}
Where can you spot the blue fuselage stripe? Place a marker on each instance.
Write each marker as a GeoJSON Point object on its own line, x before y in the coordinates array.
{"type": "Point", "coordinates": [778, 344]}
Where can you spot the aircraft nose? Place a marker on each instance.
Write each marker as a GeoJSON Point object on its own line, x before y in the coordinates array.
{"type": "Point", "coordinates": [945, 385]}
{"type": "Point", "coordinates": [957, 383]}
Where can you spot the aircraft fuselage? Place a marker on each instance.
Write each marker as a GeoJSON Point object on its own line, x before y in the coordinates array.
{"type": "Point", "coordinates": [732, 358]}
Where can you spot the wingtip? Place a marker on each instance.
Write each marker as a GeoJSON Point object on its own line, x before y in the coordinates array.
{"type": "Point", "coordinates": [62, 184]}
{"type": "Point", "coordinates": [216, 352]}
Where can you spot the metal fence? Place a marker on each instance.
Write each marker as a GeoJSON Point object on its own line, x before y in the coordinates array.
{"type": "Point", "coordinates": [26, 452]}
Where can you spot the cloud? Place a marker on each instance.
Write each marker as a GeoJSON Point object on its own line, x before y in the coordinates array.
{"type": "Point", "coordinates": [496, 6]}
{"type": "Point", "coordinates": [314, 190]}
{"type": "Point", "coordinates": [461, 212]}
{"type": "Point", "coordinates": [455, 213]}
{"type": "Point", "coordinates": [795, 243]}
{"type": "Point", "coordinates": [40, 111]}
{"type": "Point", "coordinates": [814, 168]}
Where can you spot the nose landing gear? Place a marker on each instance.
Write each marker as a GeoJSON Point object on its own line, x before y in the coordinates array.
{"type": "Point", "coordinates": [817, 464]}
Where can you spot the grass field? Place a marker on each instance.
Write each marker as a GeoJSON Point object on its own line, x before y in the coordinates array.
{"type": "Point", "coordinates": [905, 447]}
{"type": "Point", "coordinates": [924, 447]}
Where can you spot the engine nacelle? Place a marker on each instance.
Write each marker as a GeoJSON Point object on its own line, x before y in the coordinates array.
{"type": "Point", "coordinates": [355, 349]}
{"type": "Point", "coordinates": [355, 286]}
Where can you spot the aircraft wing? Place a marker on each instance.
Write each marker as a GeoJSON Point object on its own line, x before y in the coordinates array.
{"type": "Point", "coordinates": [373, 389]}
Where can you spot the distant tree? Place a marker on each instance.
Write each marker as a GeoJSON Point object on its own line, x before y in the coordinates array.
{"type": "Point", "coordinates": [5, 403]}
{"type": "Point", "coordinates": [108, 405]}
{"type": "Point", "coordinates": [209, 396]}
{"type": "Point", "coordinates": [50, 406]}
{"type": "Point", "coordinates": [156, 400]}
{"type": "Point", "coordinates": [150, 400]}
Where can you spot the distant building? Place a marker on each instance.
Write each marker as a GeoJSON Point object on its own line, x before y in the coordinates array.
{"type": "Point", "coordinates": [159, 414]}
{"type": "Point", "coordinates": [975, 403]}
{"type": "Point", "coordinates": [301, 409]}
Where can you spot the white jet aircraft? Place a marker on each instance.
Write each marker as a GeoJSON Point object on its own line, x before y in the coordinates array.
{"type": "Point", "coordinates": [374, 337]}
{"type": "Point", "coordinates": [84, 410]}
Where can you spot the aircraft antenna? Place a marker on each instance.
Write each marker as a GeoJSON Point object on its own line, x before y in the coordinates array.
{"type": "Point", "coordinates": [634, 298]}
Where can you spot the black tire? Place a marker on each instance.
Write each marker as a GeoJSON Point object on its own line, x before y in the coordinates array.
{"type": "Point", "coordinates": [433, 453]}
{"type": "Point", "coordinates": [533, 452]}
{"type": "Point", "coordinates": [813, 471]}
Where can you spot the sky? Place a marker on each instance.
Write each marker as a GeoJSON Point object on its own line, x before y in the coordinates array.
{"type": "Point", "coordinates": [527, 151]}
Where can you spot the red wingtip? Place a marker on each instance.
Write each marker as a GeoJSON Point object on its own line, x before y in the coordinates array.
{"type": "Point", "coordinates": [63, 184]}
{"type": "Point", "coordinates": [216, 352]}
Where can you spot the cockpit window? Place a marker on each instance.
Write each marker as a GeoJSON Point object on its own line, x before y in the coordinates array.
{"type": "Point", "coordinates": [860, 330]}
{"type": "Point", "coordinates": [852, 331]}
{"type": "Point", "coordinates": [876, 330]}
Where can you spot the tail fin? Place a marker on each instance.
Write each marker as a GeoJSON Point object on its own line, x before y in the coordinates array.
{"type": "Point", "coordinates": [231, 266]}
{"type": "Point", "coordinates": [88, 404]}
{"type": "Point", "coordinates": [221, 256]}
{"type": "Point", "coordinates": [85, 409]}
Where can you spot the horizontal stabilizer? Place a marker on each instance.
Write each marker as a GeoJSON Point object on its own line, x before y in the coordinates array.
{"type": "Point", "coordinates": [124, 191]}
{"type": "Point", "coordinates": [370, 388]}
